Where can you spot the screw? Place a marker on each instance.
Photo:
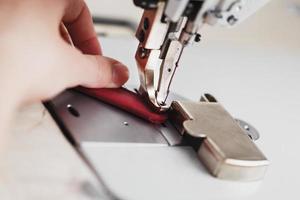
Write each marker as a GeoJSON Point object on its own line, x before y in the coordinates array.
{"type": "Point", "coordinates": [126, 123]}
{"type": "Point", "coordinates": [246, 127]}
{"type": "Point", "coordinates": [143, 53]}
{"type": "Point", "coordinates": [232, 20]}
{"type": "Point", "coordinates": [197, 37]}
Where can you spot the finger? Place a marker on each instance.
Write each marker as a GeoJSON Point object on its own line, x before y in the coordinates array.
{"type": "Point", "coordinates": [104, 72]}
{"type": "Point", "coordinates": [79, 24]}
{"type": "Point", "coordinates": [65, 34]}
{"type": "Point", "coordinates": [94, 71]}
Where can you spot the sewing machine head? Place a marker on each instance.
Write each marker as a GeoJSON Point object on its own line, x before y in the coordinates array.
{"type": "Point", "coordinates": [166, 27]}
{"type": "Point", "coordinates": [222, 143]}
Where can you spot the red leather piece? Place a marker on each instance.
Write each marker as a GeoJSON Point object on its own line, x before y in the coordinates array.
{"type": "Point", "coordinates": [126, 100]}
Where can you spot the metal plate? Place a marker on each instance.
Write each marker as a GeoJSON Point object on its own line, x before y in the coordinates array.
{"type": "Point", "coordinates": [90, 120]}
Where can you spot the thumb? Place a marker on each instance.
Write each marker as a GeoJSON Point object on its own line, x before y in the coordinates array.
{"type": "Point", "coordinates": [95, 71]}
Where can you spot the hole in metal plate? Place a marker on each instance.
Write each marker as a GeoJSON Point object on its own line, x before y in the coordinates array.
{"type": "Point", "coordinates": [73, 111]}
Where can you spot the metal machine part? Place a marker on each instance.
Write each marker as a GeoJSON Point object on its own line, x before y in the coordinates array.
{"type": "Point", "coordinates": [90, 120]}
{"type": "Point", "coordinates": [250, 130]}
{"type": "Point", "coordinates": [220, 142]}
{"type": "Point", "coordinates": [166, 27]}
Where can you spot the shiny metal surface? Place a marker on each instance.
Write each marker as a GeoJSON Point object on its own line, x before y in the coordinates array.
{"type": "Point", "coordinates": [167, 71]}
{"type": "Point", "coordinates": [221, 144]}
{"type": "Point", "coordinates": [249, 129]}
{"type": "Point", "coordinates": [168, 27]}
{"type": "Point", "coordinates": [170, 134]}
{"type": "Point", "coordinates": [230, 12]}
{"type": "Point", "coordinates": [159, 51]}
{"type": "Point", "coordinates": [98, 122]}
{"type": "Point", "coordinates": [175, 8]}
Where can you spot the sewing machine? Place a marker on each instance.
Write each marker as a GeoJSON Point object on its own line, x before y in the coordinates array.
{"type": "Point", "coordinates": [194, 140]}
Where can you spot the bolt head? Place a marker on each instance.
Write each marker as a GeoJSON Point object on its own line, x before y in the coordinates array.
{"type": "Point", "coordinates": [232, 20]}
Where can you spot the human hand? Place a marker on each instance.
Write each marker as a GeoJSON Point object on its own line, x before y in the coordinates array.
{"type": "Point", "coordinates": [36, 62]}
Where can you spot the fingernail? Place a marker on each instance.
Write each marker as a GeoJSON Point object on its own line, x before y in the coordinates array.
{"type": "Point", "coordinates": [120, 74]}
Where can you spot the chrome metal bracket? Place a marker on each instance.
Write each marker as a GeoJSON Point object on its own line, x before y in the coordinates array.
{"type": "Point", "coordinates": [219, 140]}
